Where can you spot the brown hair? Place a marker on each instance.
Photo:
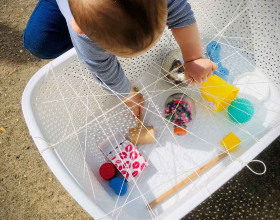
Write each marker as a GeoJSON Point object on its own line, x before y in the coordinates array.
{"type": "Point", "coordinates": [121, 26]}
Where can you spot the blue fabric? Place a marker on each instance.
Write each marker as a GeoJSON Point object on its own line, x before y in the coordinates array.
{"type": "Point", "coordinates": [213, 52]}
{"type": "Point", "coordinates": [46, 34]}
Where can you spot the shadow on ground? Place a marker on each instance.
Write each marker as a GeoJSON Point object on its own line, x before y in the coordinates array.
{"type": "Point", "coordinates": [11, 48]}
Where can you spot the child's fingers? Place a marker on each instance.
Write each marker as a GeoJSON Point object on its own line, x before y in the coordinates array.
{"type": "Point", "coordinates": [204, 78]}
{"type": "Point", "coordinates": [196, 81]}
{"type": "Point", "coordinates": [214, 66]}
{"type": "Point", "coordinates": [140, 109]}
{"type": "Point", "coordinates": [137, 111]}
{"type": "Point", "coordinates": [141, 106]}
{"type": "Point", "coordinates": [141, 101]}
{"type": "Point", "coordinates": [188, 78]}
{"type": "Point", "coordinates": [209, 74]}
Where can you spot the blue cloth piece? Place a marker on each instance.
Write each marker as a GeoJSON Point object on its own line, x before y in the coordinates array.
{"type": "Point", "coordinates": [213, 46]}
{"type": "Point", "coordinates": [213, 52]}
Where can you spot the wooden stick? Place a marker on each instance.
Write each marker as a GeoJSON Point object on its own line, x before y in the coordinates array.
{"type": "Point", "coordinates": [188, 179]}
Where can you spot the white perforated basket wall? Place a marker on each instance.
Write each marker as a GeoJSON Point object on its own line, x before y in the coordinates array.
{"type": "Point", "coordinates": [69, 115]}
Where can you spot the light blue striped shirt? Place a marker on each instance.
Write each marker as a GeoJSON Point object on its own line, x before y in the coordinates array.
{"type": "Point", "coordinates": [105, 66]}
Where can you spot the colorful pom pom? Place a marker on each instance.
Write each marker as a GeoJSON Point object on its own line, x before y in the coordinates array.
{"type": "Point", "coordinates": [178, 111]}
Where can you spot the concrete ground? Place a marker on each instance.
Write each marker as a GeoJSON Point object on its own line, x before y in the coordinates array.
{"type": "Point", "coordinates": [28, 190]}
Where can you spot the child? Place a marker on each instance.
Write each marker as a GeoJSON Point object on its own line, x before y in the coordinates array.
{"type": "Point", "coordinates": [100, 30]}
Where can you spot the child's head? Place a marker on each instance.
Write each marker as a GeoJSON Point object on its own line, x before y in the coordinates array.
{"type": "Point", "coordinates": [123, 27]}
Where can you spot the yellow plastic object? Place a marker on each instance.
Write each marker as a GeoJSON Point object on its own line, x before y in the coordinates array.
{"type": "Point", "coordinates": [218, 93]}
{"type": "Point", "coordinates": [230, 142]}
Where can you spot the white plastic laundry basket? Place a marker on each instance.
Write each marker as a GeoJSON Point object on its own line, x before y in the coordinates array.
{"type": "Point", "coordinates": [69, 115]}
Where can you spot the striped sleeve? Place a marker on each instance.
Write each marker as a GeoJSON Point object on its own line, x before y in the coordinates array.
{"type": "Point", "coordinates": [104, 66]}
{"type": "Point", "coordinates": [180, 14]}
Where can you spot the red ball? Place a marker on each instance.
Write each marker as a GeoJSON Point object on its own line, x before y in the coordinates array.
{"type": "Point", "coordinates": [107, 171]}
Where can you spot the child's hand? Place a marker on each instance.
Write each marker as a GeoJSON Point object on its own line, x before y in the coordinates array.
{"type": "Point", "coordinates": [199, 70]}
{"type": "Point", "coordinates": [135, 101]}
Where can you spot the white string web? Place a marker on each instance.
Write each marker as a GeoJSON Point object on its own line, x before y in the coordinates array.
{"type": "Point", "coordinates": [76, 115]}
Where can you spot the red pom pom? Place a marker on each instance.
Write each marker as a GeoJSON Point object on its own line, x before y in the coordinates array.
{"type": "Point", "coordinates": [107, 171]}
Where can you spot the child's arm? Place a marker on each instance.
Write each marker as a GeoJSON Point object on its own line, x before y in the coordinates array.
{"type": "Point", "coordinates": [107, 71]}
{"type": "Point", "coordinates": [197, 69]}
{"type": "Point", "coordinates": [134, 101]}
{"type": "Point", "coordinates": [189, 42]}
{"type": "Point", "coordinates": [181, 21]}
